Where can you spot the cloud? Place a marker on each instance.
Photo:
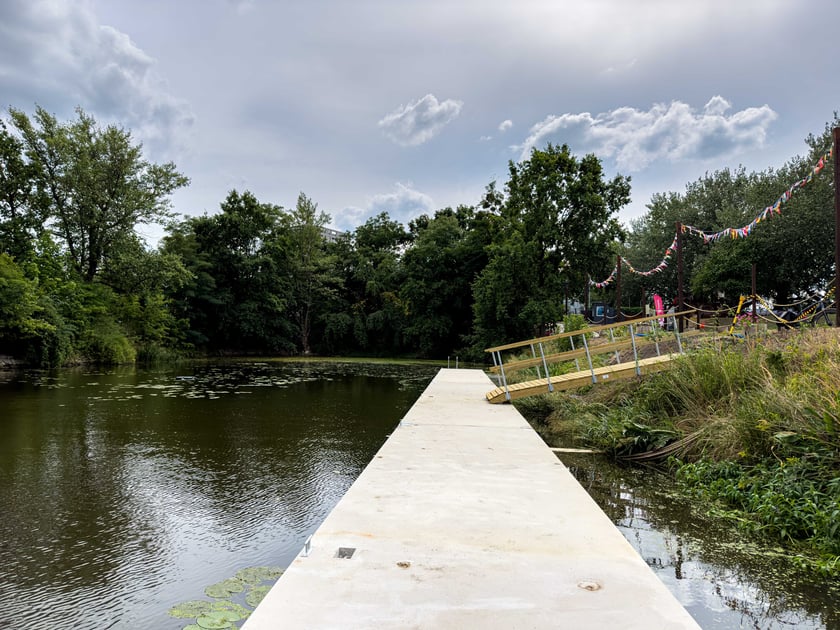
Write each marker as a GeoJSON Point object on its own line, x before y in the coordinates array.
{"type": "Point", "coordinates": [403, 204]}
{"type": "Point", "coordinates": [505, 125]}
{"type": "Point", "coordinates": [242, 7]}
{"type": "Point", "coordinates": [676, 131]}
{"type": "Point", "coordinates": [55, 53]}
{"type": "Point", "coordinates": [420, 121]}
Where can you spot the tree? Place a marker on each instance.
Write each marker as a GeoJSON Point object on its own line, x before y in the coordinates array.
{"type": "Point", "coordinates": [238, 294]}
{"type": "Point", "coordinates": [310, 265]}
{"type": "Point", "coordinates": [19, 222]}
{"type": "Point", "coordinates": [557, 224]}
{"type": "Point", "coordinates": [438, 270]}
{"type": "Point", "coordinates": [379, 312]}
{"type": "Point", "coordinates": [93, 184]}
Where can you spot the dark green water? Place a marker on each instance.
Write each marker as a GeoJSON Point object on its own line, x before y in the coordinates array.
{"type": "Point", "coordinates": [125, 492]}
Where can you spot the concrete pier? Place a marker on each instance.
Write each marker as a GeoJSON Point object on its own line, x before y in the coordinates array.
{"type": "Point", "coordinates": [466, 519]}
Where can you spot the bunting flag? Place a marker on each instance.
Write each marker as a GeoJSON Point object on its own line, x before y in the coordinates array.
{"type": "Point", "coordinates": [767, 213]}
{"type": "Point", "coordinates": [601, 285]}
{"type": "Point", "coordinates": [731, 233]}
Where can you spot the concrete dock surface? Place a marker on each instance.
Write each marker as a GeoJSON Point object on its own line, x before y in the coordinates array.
{"type": "Point", "coordinates": [466, 519]}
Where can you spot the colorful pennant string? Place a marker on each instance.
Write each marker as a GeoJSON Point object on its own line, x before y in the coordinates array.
{"type": "Point", "coordinates": [731, 233]}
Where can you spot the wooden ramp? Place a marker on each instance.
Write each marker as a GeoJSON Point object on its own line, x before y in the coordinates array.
{"type": "Point", "coordinates": [580, 379]}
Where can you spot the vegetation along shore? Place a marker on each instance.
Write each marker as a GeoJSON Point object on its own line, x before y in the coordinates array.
{"type": "Point", "coordinates": [757, 429]}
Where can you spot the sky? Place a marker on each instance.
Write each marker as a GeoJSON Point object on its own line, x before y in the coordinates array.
{"type": "Point", "coordinates": [411, 106]}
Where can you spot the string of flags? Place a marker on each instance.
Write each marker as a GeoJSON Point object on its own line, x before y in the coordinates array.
{"type": "Point", "coordinates": [732, 233]}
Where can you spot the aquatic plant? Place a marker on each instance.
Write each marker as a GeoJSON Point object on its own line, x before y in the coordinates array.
{"type": "Point", "coordinates": [250, 585]}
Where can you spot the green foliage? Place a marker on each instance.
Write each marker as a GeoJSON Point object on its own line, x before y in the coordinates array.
{"type": "Point", "coordinates": [309, 267]}
{"type": "Point", "coordinates": [235, 294]}
{"type": "Point", "coordinates": [93, 185]}
{"type": "Point", "coordinates": [797, 499]}
{"type": "Point", "coordinates": [78, 283]}
{"type": "Point", "coordinates": [106, 344]}
{"type": "Point", "coordinates": [556, 224]}
{"type": "Point", "coordinates": [439, 269]}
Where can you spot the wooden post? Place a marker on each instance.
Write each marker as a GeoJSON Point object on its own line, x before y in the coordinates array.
{"type": "Point", "coordinates": [618, 289]}
{"type": "Point", "coordinates": [836, 227]}
{"type": "Point", "coordinates": [680, 307]}
{"type": "Point", "coordinates": [586, 310]}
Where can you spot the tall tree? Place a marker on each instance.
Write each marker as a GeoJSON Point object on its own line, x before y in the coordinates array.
{"type": "Point", "coordinates": [19, 221]}
{"type": "Point", "coordinates": [310, 265]}
{"type": "Point", "coordinates": [93, 183]}
{"type": "Point", "coordinates": [557, 223]}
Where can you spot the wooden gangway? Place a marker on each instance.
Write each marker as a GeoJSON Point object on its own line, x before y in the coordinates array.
{"type": "Point", "coordinates": [592, 343]}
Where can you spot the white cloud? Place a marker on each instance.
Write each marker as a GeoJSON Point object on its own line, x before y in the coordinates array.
{"type": "Point", "coordinates": [72, 60]}
{"type": "Point", "coordinates": [505, 125]}
{"type": "Point", "coordinates": [635, 138]}
{"type": "Point", "coordinates": [242, 7]}
{"type": "Point", "coordinates": [420, 121]}
{"type": "Point", "coordinates": [403, 204]}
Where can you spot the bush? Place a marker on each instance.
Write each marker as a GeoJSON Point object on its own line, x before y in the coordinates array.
{"type": "Point", "coordinates": [106, 344]}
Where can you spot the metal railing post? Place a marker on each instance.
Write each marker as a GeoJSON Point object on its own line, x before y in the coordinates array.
{"type": "Point", "coordinates": [545, 366]}
{"type": "Point", "coordinates": [635, 354]}
{"type": "Point", "coordinates": [612, 340]}
{"type": "Point", "coordinates": [572, 341]}
{"type": "Point", "coordinates": [504, 379]}
{"type": "Point", "coordinates": [534, 356]}
{"type": "Point", "coordinates": [677, 333]}
{"type": "Point", "coordinates": [589, 359]}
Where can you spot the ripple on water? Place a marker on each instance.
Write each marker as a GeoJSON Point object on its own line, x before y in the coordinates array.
{"type": "Point", "coordinates": [124, 493]}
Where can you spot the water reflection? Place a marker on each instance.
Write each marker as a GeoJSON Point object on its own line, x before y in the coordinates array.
{"type": "Point", "coordinates": [721, 577]}
{"type": "Point", "coordinates": [128, 491]}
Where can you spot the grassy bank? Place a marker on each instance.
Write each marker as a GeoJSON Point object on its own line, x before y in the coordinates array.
{"type": "Point", "coordinates": [753, 427]}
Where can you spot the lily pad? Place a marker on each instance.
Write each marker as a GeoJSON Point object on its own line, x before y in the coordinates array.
{"type": "Point", "coordinates": [191, 609]}
{"type": "Point", "coordinates": [224, 588]}
{"type": "Point", "coordinates": [255, 575]}
{"type": "Point", "coordinates": [255, 596]}
{"type": "Point", "coordinates": [217, 620]}
{"type": "Point", "coordinates": [227, 605]}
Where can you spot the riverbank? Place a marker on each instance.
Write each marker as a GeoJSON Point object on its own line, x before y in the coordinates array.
{"type": "Point", "coordinates": [755, 427]}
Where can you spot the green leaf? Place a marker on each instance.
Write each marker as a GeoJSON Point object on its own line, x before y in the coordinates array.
{"type": "Point", "coordinates": [217, 620]}
{"type": "Point", "coordinates": [256, 595]}
{"type": "Point", "coordinates": [224, 588]}
{"type": "Point", "coordinates": [191, 609]}
{"type": "Point", "coordinates": [255, 575]}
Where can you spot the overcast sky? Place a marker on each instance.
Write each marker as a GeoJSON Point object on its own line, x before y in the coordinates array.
{"type": "Point", "coordinates": [411, 106]}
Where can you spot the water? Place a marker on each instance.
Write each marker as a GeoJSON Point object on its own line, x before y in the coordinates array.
{"type": "Point", "coordinates": [722, 577]}
{"type": "Point", "coordinates": [124, 492]}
